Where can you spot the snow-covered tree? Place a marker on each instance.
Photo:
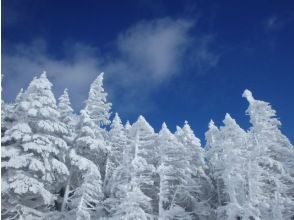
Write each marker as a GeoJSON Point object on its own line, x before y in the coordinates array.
{"type": "Point", "coordinates": [8, 114]}
{"type": "Point", "coordinates": [127, 199]}
{"type": "Point", "coordinates": [273, 160]}
{"type": "Point", "coordinates": [118, 140]}
{"type": "Point", "coordinates": [198, 188]}
{"type": "Point", "coordinates": [33, 153]}
{"type": "Point", "coordinates": [85, 198]}
{"type": "Point", "coordinates": [228, 160]}
{"type": "Point", "coordinates": [97, 106]}
{"type": "Point", "coordinates": [91, 138]}
{"type": "Point", "coordinates": [90, 142]}
{"type": "Point", "coordinates": [68, 117]}
{"type": "Point", "coordinates": [174, 177]}
{"type": "Point", "coordinates": [144, 145]}
{"type": "Point", "coordinates": [87, 146]}
{"type": "Point", "coordinates": [65, 109]}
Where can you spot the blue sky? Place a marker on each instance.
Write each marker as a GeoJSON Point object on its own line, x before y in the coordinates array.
{"type": "Point", "coordinates": [167, 60]}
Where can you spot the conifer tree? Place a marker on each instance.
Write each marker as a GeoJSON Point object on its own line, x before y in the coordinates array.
{"type": "Point", "coordinates": [97, 106]}
{"type": "Point", "coordinates": [228, 160]}
{"type": "Point", "coordinates": [198, 188]}
{"type": "Point", "coordinates": [272, 159]}
{"type": "Point", "coordinates": [33, 153]}
{"type": "Point", "coordinates": [90, 145]}
{"type": "Point", "coordinates": [144, 145]}
{"type": "Point", "coordinates": [173, 177]}
{"type": "Point", "coordinates": [117, 136]}
{"type": "Point", "coordinates": [65, 109]}
{"type": "Point", "coordinates": [67, 116]}
{"type": "Point", "coordinates": [127, 199]}
{"type": "Point", "coordinates": [95, 115]}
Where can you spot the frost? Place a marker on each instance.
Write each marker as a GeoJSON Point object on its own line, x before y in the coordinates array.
{"type": "Point", "coordinates": [32, 112]}
{"type": "Point", "coordinates": [22, 184]}
{"type": "Point", "coordinates": [57, 164]}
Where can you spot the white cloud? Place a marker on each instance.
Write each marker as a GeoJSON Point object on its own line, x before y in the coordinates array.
{"type": "Point", "coordinates": [274, 22]}
{"type": "Point", "coordinates": [146, 55]}
{"type": "Point", "coordinates": [156, 47]}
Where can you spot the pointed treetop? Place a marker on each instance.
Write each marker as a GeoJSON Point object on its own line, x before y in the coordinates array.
{"type": "Point", "coordinates": [211, 124]}
{"type": "Point", "coordinates": [40, 83]}
{"type": "Point", "coordinates": [165, 132]}
{"type": "Point", "coordinates": [187, 127]}
{"type": "Point", "coordinates": [127, 125]}
{"type": "Point", "coordinates": [248, 95]}
{"type": "Point", "coordinates": [116, 117]}
{"type": "Point", "coordinates": [99, 79]}
{"type": "Point", "coordinates": [116, 121]}
{"type": "Point", "coordinates": [64, 104]}
{"type": "Point", "coordinates": [229, 120]}
{"type": "Point", "coordinates": [96, 105]}
{"type": "Point", "coordinates": [101, 75]}
{"type": "Point", "coordinates": [142, 125]}
{"type": "Point", "coordinates": [164, 126]}
{"type": "Point", "coordinates": [141, 118]}
{"type": "Point", "coordinates": [64, 95]}
{"type": "Point", "coordinates": [178, 129]}
{"type": "Point", "coordinates": [19, 95]}
{"type": "Point", "coordinates": [44, 74]}
{"type": "Point", "coordinates": [228, 117]}
{"type": "Point", "coordinates": [186, 135]}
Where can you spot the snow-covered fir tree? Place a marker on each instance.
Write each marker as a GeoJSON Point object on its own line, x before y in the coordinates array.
{"type": "Point", "coordinates": [91, 135]}
{"type": "Point", "coordinates": [33, 154]}
{"type": "Point", "coordinates": [174, 177]}
{"type": "Point", "coordinates": [144, 146]}
{"type": "Point", "coordinates": [117, 136]}
{"type": "Point", "coordinates": [97, 106]}
{"type": "Point", "coordinates": [68, 117]}
{"type": "Point", "coordinates": [227, 160]}
{"type": "Point", "coordinates": [65, 109]}
{"type": "Point", "coordinates": [90, 145]}
{"type": "Point", "coordinates": [199, 187]}
{"type": "Point", "coordinates": [272, 156]}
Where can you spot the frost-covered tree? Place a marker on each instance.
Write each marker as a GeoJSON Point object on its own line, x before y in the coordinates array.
{"type": "Point", "coordinates": [128, 200]}
{"type": "Point", "coordinates": [8, 114]}
{"type": "Point", "coordinates": [272, 159]}
{"type": "Point", "coordinates": [198, 188]}
{"type": "Point", "coordinates": [91, 138]}
{"type": "Point", "coordinates": [97, 106]}
{"type": "Point", "coordinates": [68, 117]}
{"type": "Point", "coordinates": [174, 177]}
{"type": "Point", "coordinates": [90, 141]}
{"type": "Point", "coordinates": [87, 146]}
{"type": "Point", "coordinates": [85, 198]}
{"type": "Point", "coordinates": [117, 136]}
{"type": "Point", "coordinates": [144, 145]}
{"type": "Point", "coordinates": [33, 153]}
{"type": "Point", "coordinates": [228, 159]}
{"type": "Point", "coordinates": [65, 109]}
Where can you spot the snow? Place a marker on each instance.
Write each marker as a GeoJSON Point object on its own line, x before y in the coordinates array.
{"type": "Point", "coordinates": [60, 165]}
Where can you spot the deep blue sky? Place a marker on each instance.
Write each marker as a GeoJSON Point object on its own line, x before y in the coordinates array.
{"type": "Point", "coordinates": [168, 60]}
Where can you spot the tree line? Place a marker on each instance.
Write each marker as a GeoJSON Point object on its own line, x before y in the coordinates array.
{"type": "Point", "coordinates": [57, 164]}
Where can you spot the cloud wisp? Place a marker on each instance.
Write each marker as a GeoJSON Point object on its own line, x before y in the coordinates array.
{"type": "Point", "coordinates": [145, 56]}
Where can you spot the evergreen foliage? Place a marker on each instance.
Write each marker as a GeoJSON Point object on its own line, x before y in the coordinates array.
{"type": "Point", "coordinates": [60, 165]}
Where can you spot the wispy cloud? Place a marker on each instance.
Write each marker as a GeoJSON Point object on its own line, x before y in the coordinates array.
{"type": "Point", "coordinates": [274, 22]}
{"type": "Point", "coordinates": [146, 55]}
